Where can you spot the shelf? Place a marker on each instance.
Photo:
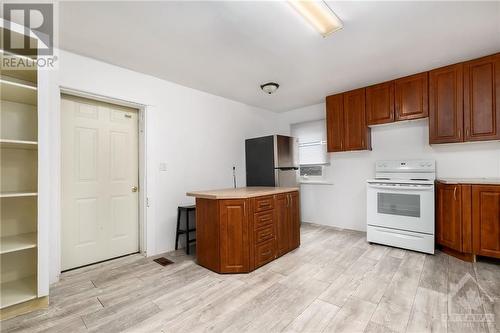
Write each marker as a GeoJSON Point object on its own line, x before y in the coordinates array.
{"type": "Point", "coordinates": [23, 68]}
{"type": "Point", "coordinates": [15, 194]}
{"type": "Point", "coordinates": [15, 292]}
{"type": "Point", "coordinates": [18, 144]}
{"type": "Point", "coordinates": [17, 242]}
{"type": "Point", "coordinates": [18, 92]}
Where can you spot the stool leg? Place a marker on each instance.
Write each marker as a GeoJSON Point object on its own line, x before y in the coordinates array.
{"type": "Point", "coordinates": [177, 229]}
{"type": "Point", "coordinates": [187, 232]}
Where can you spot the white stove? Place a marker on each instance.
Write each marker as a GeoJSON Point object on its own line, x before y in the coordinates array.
{"type": "Point", "coordinates": [400, 204]}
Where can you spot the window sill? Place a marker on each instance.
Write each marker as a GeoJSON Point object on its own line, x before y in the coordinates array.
{"type": "Point", "coordinates": [315, 182]}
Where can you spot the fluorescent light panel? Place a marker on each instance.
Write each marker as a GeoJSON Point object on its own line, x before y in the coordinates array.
{"type": "Point", "coordinates": [319, 15]}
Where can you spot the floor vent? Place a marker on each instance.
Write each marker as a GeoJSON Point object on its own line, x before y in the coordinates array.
{"type": "Point", "coordinates": [163, 261]}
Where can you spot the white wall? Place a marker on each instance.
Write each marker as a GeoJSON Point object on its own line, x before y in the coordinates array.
{"type": "Point", "coordinates": [199, 136]}
{"type": "Point", "coordinates": [343, 204]}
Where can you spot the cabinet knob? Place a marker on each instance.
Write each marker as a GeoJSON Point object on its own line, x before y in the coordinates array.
{"type": "Point", "coordinates": [134, 188]}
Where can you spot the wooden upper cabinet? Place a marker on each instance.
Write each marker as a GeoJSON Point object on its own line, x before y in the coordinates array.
{"type": "Point", "coordinates": [446, 104]}
{"type": "Point", "coordinates": [411, 97]}
{"type": "Point", "coordinates": [486, 220]}
{"type": "Point", "coordinates": [449, 216]}
{"type": "Point", "coordinates": [380, 103]}
{"type": "Point", "coordinates": [356, 132]}
{"type": "Point", "coordinates": [482, 99]}
{"type": "Point", "coordinates": [335, 122]}
{"type": "Point", "coordinates": [233, 237]}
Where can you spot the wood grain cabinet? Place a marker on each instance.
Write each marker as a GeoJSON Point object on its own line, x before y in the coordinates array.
{"type": "Point", "coordinates": [380, 103]}
{"type": "Point", "coordinates": [335, 122]}
{"type": "Point", "coordinates": [468, 220]}
{"type": "Point", "coordinates": [453, 218]}
{"type": "Point", "coordinates": [463, 101]}
{"type": "Point", "coordinates": [446, 104]}
{"type": "Point", "coordinates": [411, 97]}
{"type": "Point", "coordinates": [233, 236]}
{"type": "Point", "coordinates": [346, 122]}
{"type": "Point", "coordinates": [482, 99]}
{"type": "Point", "coordinates": [486, 220]}
{"type": "Point", "coordinates": [240, 235]}
{"type": "Point", "coordinates": [449, 216]}
{"type": "Point", "coordinates": [356, 132]}
{"type": "Point", "coordinates": [287, 222]}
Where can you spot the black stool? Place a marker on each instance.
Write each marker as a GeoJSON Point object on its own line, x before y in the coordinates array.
{"type": "Point", "coordinates": [187, 230]}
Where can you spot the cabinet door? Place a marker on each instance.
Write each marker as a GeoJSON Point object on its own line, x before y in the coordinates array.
{"type": "Point", "coordinates": [482, 99]}
{"type": "Point", "coordinates": [449, 216]}
{"type": "Point", "coordinates": [380, 103]}
{"type": "Point", "coordinates": [294, 211]}
{"type": "Point", "coordinates": [233, 238]}
{"type": "Point", "coordinates": [486, 220]}
{"type": "Point", "coordinates": [335, 122]}
{"type": "Point", "coordinates": [282, 224]}
{"type": "Point", "coordinates": [446, 104]}
{"type": "Point", "coordinates": [411, 97]}
{"type": "Point", "coordinates": [356, 133]}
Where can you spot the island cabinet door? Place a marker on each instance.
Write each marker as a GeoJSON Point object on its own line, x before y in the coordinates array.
{"type": "Point", "coordinates": [294, 210]}
{"type": "Point", "coordinates": [233, 236]}
{"type": "Point", "coordinates": [282, 220]}
{"type": "Point", "coordinates": [486, 220]}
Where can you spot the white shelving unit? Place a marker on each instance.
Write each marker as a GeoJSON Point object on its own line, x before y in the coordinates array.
{"type": "Point", "coordinates": [20, 286]}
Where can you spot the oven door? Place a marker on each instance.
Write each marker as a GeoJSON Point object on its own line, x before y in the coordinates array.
{"type": "Point", "coordinates": [401, 206]}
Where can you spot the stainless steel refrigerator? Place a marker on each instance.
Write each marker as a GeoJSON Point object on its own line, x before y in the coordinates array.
{"type": "Point", "coordinates": [272, 161]}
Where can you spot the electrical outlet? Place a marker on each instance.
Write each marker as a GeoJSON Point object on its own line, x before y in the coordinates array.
{"type": "Point", "coordinates": [163, 166]}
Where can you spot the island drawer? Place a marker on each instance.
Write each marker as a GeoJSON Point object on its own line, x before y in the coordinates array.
{"type": "Point", "coordinates": [263, 218]}
{"type": "Point", "coordinates": [263, 203]}
{"type": "Point", "coordinates": [265, 233]}
{"type": "Point", "coordinates": [264, 253]}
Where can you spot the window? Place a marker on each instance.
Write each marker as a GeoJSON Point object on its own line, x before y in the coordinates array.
{"type": "Point", "coordinates": [313, 157]}
{"type": "Point", "coordinates": [311, 170]}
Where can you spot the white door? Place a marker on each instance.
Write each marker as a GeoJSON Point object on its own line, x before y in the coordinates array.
{"type": "Point", "coordinates": [99, 181]}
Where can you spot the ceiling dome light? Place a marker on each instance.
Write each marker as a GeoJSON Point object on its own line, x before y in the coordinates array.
{"type": "Point", "coordinates": [270, 87]}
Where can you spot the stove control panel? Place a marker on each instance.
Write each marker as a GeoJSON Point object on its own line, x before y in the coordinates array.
{"type": "Point", "coordinates": [406, 166]}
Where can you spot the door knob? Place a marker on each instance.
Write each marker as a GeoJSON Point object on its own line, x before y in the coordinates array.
{"type": "Point", "coordinates": [134, 188]}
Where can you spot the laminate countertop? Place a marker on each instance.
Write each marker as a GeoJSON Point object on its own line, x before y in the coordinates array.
{"type": "Point", "coordinates": [478, 181]}
{"type": "Point", "coordinates": [240, 192]}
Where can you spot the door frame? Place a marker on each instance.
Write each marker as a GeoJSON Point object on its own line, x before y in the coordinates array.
{"type": "Point", "coordinates": [143, 198]}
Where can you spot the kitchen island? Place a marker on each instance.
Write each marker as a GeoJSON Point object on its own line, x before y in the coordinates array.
{"type": "Point", "coordinates": [241, 229]}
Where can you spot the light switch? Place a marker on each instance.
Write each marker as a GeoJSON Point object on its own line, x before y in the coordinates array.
{"type": "Point", "coordinates": [163, 166]}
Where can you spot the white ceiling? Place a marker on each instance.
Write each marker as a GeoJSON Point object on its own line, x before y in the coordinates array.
{"type": "Point", "coordinates": [230, 48]}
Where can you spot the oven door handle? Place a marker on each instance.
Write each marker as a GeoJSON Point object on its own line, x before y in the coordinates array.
{"type": "Point", "coordinates": [406, 188]}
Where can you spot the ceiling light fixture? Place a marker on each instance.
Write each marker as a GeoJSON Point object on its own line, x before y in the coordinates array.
{"type": "Point", "coordinates": [319, 15]}
{"type": "Point", "coordinates": [270, 87]}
